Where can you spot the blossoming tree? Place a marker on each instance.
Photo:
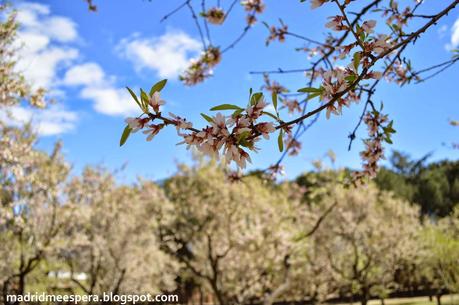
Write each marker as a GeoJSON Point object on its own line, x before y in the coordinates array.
{"type": "Point", "coordinates": [367, 44]}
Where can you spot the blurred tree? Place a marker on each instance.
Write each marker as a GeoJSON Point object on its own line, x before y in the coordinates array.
{"type": "Point", "coordinates": [31, 180]}
{"type": "Point", "coordinates": [434, 187]}
{"type": "Point", "coordinates": [366, 237]}
{"type": "Point", "coordinates": [111, 237]}
{"type": "Point", "coordinates": [30, 206]}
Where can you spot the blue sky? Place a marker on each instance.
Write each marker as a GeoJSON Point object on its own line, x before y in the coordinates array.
{"type": "Point", "coordinates": [86, 59]}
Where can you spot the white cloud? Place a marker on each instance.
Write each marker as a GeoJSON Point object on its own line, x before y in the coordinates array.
{"type": "Point", "coordinates": [167, 55]}
{"type": "Point", "coordinates": [43, 42]}
{"type": "Point", "coordinates": [46, 122]}
{"type": "Point", "coordinates": [36, 17]}
{"type": "Point", "coordinates": [46, 57]}
{"type": "Point", "coordinates": [454, 43]}
{"type": "Point", "coordinates": [85, 74]}
{"type": "Point", "coordinates": [111, 101]}
{"type": "Point", "coordinates": [107, 98]}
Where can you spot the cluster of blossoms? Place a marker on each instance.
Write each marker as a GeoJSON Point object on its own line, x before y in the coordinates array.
{"type": "Point", "coordinates": [214, 15]}
{"type": "Point", "coordinates": [253, 7]}
{"type": "Point", "coordinates": [201, 68]}
{"type": "Point", "coordinates": [231, 136]}
{"type": "Point", "coordinates": [273, 86]}
{"type": "Point", "coordinates": [379, 130]}
{"type": "Point", "coordinates": [335, 82]}
{"type": "Point", "coordinates": [401, 73]}
{"type": "Point", "coordinates": [153, 101]}
{"type": "Point", "coordinates": [395, 16]}
{"type": "Point", "coordinates": [277, 33]}
{"type": "Point", "coordinates": [378, 44]}
{"type": "Point", "coordinates": [336, 23]}
{"type": "Point", "coordinates": [292, 105]}
{"type": "Point", "coordinates": [292, 145]}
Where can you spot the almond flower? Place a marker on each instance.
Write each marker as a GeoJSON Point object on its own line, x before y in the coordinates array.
{"type": "Point", "coordinates": [336, 23]}
{"type": "Point", "coordinates": [368, 26]}
{"type": "Point", "coordinates": [317, 3]}
{"type": "Point", "coordinates": [153, 130]}
{"type": "Point", "coordinates": [292, 105]}
{"type": "Point", "coordinates": [255, 111]}
{"type": "Point", "coordinates": [265, 129]}
{"type": "Point", "coordinates": [155, 101]}
{"type": "Point", "coordinates": [254, 5]}
{"type": "Point", "coordinates": [219, 125]}
{"type": "Point", "coordinates": [180, 123]}
{"type": "Point", "coordinates": [215, 15]}
{"type": "Point", "coordinates": [381, 45]}
{"type": "Point", "coordinates": [137, 123]}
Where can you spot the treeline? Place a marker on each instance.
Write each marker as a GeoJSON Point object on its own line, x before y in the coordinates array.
{"type": "Point", "coordinates": [432, 186]}
{"type": "Point", "coordinates": [208, 239]}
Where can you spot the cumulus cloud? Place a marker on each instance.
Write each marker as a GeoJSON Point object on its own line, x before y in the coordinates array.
{"type": "Point", "coordinates": [47, 58]}
{"type": "Point", "coordinates": [99, 88]}
{"type": "Point", "coordinates": [53, 120]}
{"type": "Point", "coordinates": [454, 43]}
{"type": "Point", "coordinates": [110, 101]}
{"type": "Point", "coordinates": [43, 44]}
{"type": "Point", "coordinates": [85, 74]}
{"type": "Point", "coordinates": [37, 18]}
{"type": "Point", "coordinates": [167, 55]}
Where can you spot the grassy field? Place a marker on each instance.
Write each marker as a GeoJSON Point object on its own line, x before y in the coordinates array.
{"type": "Point", "coordinates": [445, 300]}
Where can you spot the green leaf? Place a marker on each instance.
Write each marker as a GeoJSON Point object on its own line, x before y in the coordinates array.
{"type": "Point", "coordinates": [225, 107]}
{"type": "Point", "coordinates": [313, 95]}
{"type": "Point", "coordinates": [242, 137]}
{"type": "Point", "coordinates": [388, 140]}
{"type": "Point", "coordinates": [255, 98]}
{"type": "Point", "coordinates": [158, 86]}
{"type": "Point", "coordinates": [207, 118]}
{"type": "Point", "coordinates": [134, 96]}
{"type": "Point", "coordinates": [350, 79]}
{"type": "Point", "coordinates": [125, 135]}
{"type": "Point", "coordinates": [271, 115]}
{"type": "Point", "coordinates": [310, 90]}
{"type": "Point", "coordinates": [356, 60]}
{"type": "Point", "coordinates": [237, 112]}
{"type": "Point", "coordinates": [280, 141]}
{"type": "Point", "coordinates": [274, 98]}
{"type": "Point", "coordinates": [144, 98]}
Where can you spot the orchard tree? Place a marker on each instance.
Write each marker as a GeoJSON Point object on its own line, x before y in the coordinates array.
{"type": "Point", "coordinates": [111, 238]}
{"type": "Point", "coordinates": [236, 240]}
{"type": "Point", "coordinates": [31, 214]}
{"type": "Point", "coordinates": [14, 88]}
{"type": "Point", "coordinates": [366, 238]}
{"type": "Point", "coordinates": [366, 44]}
{"type": "Point", "coordinates": [441, 255]}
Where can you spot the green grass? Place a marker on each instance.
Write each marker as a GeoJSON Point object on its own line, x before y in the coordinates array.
{"type": "Point", "coordinates": [445, 300]}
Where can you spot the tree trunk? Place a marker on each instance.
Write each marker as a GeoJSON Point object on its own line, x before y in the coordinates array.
{"type": "Point", "coordinates": [438, 297]}
{"type": "Point", "coordinates": [365, 296]}
{"type": "Point", "coordinates": [201, 296]}
{"type": "Point", "coordinates": [383, 302]}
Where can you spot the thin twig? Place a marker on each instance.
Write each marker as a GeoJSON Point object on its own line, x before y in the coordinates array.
{"type": "Point", "coordinates": [175, 10]}
{"type": "Point", "coordinates": [193, 14]}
